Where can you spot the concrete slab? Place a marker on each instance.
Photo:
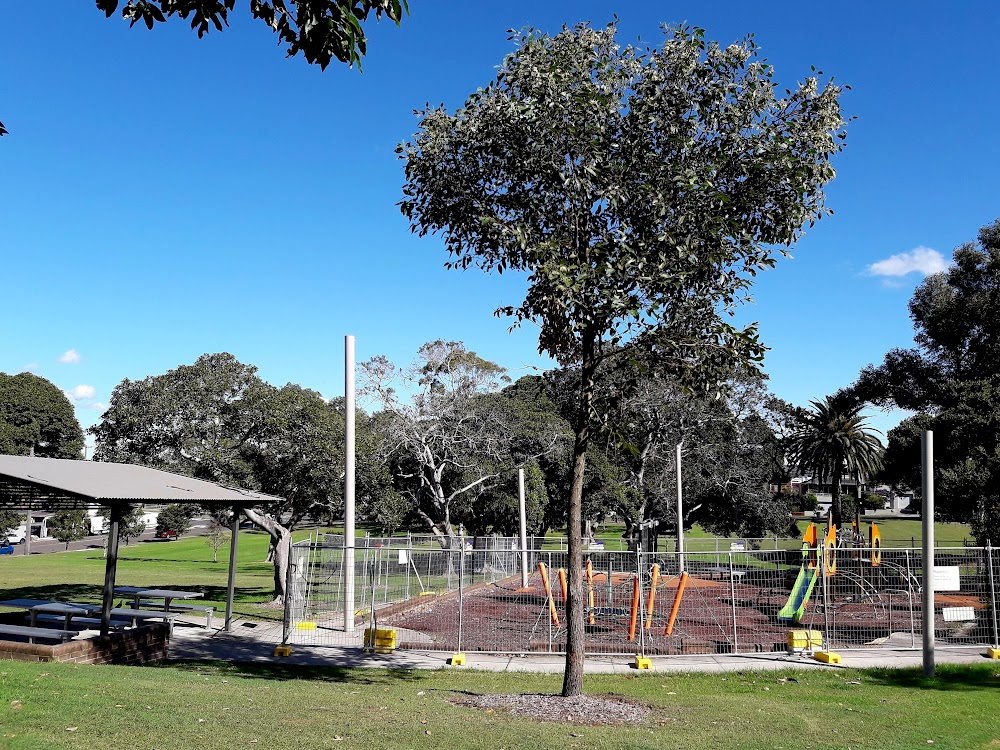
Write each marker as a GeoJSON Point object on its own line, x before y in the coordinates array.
{"type": "Point", "coordinates": [255, 642]}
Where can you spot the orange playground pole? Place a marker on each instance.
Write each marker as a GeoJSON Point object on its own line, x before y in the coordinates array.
{"type": "Point", "coordinates": [590, 592]}
{"type": "Point", "coordinates": [654, 577]}
{"type": "Point", "coordinates": [548, 594]}
{"type": "Point", "coordinates": [635, 609]}
{"type": "Point", "coordinates": [677, 603]}
{"type": "Point", "coordinates": [562, 584]}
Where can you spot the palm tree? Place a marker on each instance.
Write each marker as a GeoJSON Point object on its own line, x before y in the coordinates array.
{"type": "Point", "coordinates": [834, 439]}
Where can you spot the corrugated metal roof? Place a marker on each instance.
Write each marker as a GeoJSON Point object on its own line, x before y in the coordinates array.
{"type": "Point", "coordinates": [29, 482]}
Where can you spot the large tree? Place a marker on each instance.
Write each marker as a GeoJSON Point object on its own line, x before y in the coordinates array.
{"type": "Point", "coordinates": [452, 436]}
{"type": "Point", "coordinates": [217, 420]}
{"type": "Point", "coordinates": [36, 418]}
{"type": "Point", "coordinates": [638, 190]}
{"type": "Point", "coordinates": [951, 378]}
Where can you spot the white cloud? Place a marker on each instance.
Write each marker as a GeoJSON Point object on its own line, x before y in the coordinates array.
{"type": "Point", "coordinates": [922, 260]}
{"type": "Point", "coordinates": [99, 406]}
{"type": "Point", "coordinates": [30, 367]}
{"type": "Point", "coordinates": [70, 357]}
{"type": "Point", "coordinates": [81, 392]}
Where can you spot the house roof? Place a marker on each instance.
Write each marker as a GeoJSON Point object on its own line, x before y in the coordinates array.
{"type": "Point", "coordinates": [55, 483]}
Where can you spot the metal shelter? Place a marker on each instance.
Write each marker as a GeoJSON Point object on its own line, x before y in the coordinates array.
{"type": "Point", "coordinates": [30, 483]}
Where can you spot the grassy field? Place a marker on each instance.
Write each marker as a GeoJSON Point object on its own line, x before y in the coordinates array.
{"type": "Point", "coordinates": [193, 706]}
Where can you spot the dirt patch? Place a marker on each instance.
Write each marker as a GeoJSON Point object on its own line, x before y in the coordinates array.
{"type": "Point", "coordinates": [582, 709]}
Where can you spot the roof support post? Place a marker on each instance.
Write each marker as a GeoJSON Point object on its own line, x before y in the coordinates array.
{"type": "Point", "coordinates": [231, 587]}
{"type": "Point", "coordinates": [111, 566]}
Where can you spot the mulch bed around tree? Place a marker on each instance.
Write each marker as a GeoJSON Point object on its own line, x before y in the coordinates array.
{"type": "Point", "coordinates": [582, 709]}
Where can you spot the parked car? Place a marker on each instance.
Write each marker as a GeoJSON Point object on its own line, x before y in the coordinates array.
{"type": "Point", "coordinates": [168, 534]}
{"type": "Point", "coordinates": [6, 548]}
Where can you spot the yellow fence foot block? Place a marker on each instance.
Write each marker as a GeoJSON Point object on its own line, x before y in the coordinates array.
{"type": "Point", "coordinates": [643, 662]}
{"type": "Point", "coordinates": [827, 657]}
{"type": "Point", "coordinates": [283, 651]}
{"type": "Point", "coordinates": [306, 626]}
{"type": "Point", "coordinates": [457, 659]}
{"type": "Point", "coordinates": [993, 653]}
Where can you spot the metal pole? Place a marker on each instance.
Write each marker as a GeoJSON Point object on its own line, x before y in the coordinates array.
{"type": "Point", "coordinates": [909, 597]}
{"type": "Point", "coordinates": [524, 528]}
{"type": "Point", "coordinates": [461, 591]}
{"type": "Point", "coordinates": [993, 592]}
{"type": "Point", "coordinates": [110, 566]}
{"type": "Point", "coordinates": [927, 461]}
{"type": "Point", "coordinates": [234, 535]}
{"type": "Point", "coordinates": [680, 513]}
{"type": "Point", "coordinates": [732, 598]}
{"type": "Point", "coordinates": [349, 463]}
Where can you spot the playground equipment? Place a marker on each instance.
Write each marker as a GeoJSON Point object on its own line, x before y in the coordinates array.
{"type": "Point", "coordinates": [806, 579]}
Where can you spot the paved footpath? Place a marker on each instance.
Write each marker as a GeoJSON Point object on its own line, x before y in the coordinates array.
{"type": "Point", "coordinates": [255, 642]}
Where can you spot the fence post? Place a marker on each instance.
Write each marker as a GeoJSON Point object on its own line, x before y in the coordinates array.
{"type": "Point", "coordinates": [409, 561]}
{"type": "Point", "coordinates": [993, 593]}
{"type": "Point", "coordinates": [286, 620]}
{"type": "Point", "coordinates": [461, 589]}
{"type": "Point", "coordinates": [909, 596]}
{"type": "Point", "coordinates": [732, 598]}
{"type": "Point", "coordinates": [642, 605]}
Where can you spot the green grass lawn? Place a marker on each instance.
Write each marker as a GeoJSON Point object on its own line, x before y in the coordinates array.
{"type": "Point", "coordinates": [189, 705]}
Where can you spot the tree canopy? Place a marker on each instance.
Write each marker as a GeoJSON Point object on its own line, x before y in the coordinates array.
{"type": "Point", "coordinates": [36, 418]}
{"type": "Point", "coordinates": [217, 420]}
{"type": "Point", "coordinates": [951, 378]}
{"type": "Point", "coordinates": [638, 190]}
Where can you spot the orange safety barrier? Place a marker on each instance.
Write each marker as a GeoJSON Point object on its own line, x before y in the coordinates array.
{"type": "Point", "coordinates": [548, 594]}
{"type": "Point", "coordinates": [590, 592]}
{"type": "Point", "coordinates": [635, 608]}
{"type": "Point", "coordinates": [653, 578]}
{"type": "Point", "coordinates": [562, 584]}
{"type": "Point", "coordinates": [677, 604]}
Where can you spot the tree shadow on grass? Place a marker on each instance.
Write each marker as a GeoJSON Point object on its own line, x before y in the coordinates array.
{"type": "Point", "coordinates": [283, 672]}
{"type": "Point", "coordinates": [947, 677]}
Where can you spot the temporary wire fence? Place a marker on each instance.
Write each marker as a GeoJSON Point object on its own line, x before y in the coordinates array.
{"type": "Point", "coordinates": [469, 595]}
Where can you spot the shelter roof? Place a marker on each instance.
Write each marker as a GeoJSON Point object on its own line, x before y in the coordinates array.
{"type": "Point", "coordinates": [55, 483]}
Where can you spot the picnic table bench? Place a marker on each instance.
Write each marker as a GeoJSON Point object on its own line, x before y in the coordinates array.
{"type": "Point", "coordinates": [50, 634]}
{"type": "Point", "coordinates": [78, 620]}
{"type": "Point", "coordinates": [207, 609]}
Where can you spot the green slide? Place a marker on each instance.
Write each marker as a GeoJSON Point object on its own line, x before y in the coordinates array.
{"type": "Point", "coordinates": [801, 592]}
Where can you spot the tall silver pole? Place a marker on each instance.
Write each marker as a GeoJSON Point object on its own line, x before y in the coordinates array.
{"type": "Point", "coordinates": [524, 528]}
{"type": "Point", "coordinates": [927, 461]}
{"type": "Point", "coordinates": [349, 462]}
{"type": "Point", "coordinates": [680, 512]}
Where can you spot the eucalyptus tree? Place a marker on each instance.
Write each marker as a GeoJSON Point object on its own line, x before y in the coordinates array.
{"type": "Point", "coordinates": [638, 190]}
{"type": "Point", "coordinates": [449, 434]}
{"type": "Point", "coordinates": [833, 441]}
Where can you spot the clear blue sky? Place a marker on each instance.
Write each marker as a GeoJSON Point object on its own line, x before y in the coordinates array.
{"type": "Point", "coordinates": [163, 196]}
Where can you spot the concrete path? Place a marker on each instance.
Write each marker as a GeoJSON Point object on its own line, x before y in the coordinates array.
{"type": "Point", "coordinates": [255, 642]}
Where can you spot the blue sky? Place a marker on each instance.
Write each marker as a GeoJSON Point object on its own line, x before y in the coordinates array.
{"type": "Point", "coordinates": [163, 196]}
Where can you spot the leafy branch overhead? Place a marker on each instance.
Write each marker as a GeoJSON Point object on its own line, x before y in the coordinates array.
{"type": "Point", "coordinates": [322, 30]}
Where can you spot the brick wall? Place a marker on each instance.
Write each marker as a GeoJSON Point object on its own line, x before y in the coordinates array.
{"type": "Point", "coordinates": [132, 646]}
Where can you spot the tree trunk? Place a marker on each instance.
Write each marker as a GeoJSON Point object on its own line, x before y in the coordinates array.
{"type": "Point", "coordinates": [835, 501]}
{"type": "Point", "coordinates": [575, 647]}
{"type": "Point", "coordinates": [281, 543]}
